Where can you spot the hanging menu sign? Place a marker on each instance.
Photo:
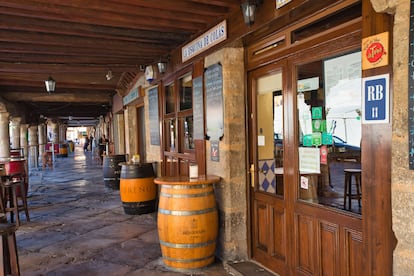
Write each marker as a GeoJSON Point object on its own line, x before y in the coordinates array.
{"type": "Point", "coordinates": [153, 116]}
{"type": "Point", "coordinates": [213, 79]}
{"type": "Point", "coordinates": [198, 108]}
{"type": "Point", "coordinates": [411, 91]}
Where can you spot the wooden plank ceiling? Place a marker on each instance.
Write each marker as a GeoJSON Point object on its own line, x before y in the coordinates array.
{"type": "Point", "coordinates": [77, 42]}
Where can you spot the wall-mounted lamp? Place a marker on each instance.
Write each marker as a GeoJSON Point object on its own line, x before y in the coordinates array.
{"type": "Point", "coordinates": [50, 85]}
{"type": "Point", "coordinates": [109, 75]}
{"type": "Point", "coordinates": [162, 67]}
{"type": "Point", "coordinates": [248, 8]}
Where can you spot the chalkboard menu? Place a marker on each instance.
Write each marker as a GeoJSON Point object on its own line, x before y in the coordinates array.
{"type": "Point", "coordinates": [411, 90]}
{"type": "Point", "coordinates": [213, 79]}
{"type": "Point", "coordinates": [198, 108]}
{"type": "Point", "coordinates": [154, 116]}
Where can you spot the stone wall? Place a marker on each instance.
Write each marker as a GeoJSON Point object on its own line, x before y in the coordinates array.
{"type": "Point", "coordinates": [231, 192]}
{"type": "Point", "coordinates": [402, 180]}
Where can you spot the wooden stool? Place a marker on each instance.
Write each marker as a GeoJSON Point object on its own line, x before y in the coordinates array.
{"type": "Point", "coordinates": [9, 258]}
{"type": "Point", "coordinates": [10, 202]}
{"type": "Point", "coordinates": [47, 159]}
{"type": "Point", "coordinates": [356, 173]}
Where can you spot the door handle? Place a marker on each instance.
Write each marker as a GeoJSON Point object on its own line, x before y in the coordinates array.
{"type": "Point", "coordinates": [252, 176]}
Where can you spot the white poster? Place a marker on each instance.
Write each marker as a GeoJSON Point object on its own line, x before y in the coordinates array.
{"type": "Point", "coordinates": [309, 160]}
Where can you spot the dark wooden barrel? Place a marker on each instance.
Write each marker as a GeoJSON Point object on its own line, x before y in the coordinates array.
{"type": "Point", "coordinates": [137, 188]}
{"type": "Point", "coordinates": [187, 225]}
{"type": "Point", "coordinates": [112, 170]}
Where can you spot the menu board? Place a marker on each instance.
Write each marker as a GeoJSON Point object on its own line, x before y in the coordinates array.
{"type": "Point", "coordinates": [198, 108]}
{"type": "Point", "coordinates": [154, 116]}
{"type": "Point", "coordinates": [213, 79]}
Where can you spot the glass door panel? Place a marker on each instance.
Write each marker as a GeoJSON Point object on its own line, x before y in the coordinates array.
{"type": "Point", "coordinates": [270, 133]}
{"type": "Point", "coordinates": [329, 109]}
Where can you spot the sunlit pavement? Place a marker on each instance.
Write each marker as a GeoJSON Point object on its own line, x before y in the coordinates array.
{"type": "Point", "coordinates": [78, 226]}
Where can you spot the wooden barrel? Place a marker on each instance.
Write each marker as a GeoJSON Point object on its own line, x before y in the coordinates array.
{"type": "Point", "coordinates": [112, 170]}
{"type": "Point", "coordinates": [187, 225]}
{"type": "Point", "coordinates": [137, 188]}
{"type": "Point", "coordinates": [63, 150]}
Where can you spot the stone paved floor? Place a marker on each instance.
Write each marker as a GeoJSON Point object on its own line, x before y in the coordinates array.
{"type": "Point", "coordinates": [78, 227]}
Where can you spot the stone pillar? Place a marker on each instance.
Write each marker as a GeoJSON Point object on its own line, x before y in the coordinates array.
{"type": "Point", "coordinates": [23, 139]}
{"type": "Point", "coordinates": [33, 144]}
{"type": "Point", "coordinates": [53, 131]}
{"type": "Point", "coordinates": [4, 136]}
{"type": "Point", "coordinates": [15, 132]}
{"type": "Point", "coordinates": [232, 243]}
{"type": "Point", "coordinates": [41, 132]}
{"type": "Point", "coordinates": [62, 133]}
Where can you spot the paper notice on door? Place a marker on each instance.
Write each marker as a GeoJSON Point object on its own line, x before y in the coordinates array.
{"type": "Point", "coordinates": [260, 140]}
{"type": "Point", "coordinates": [309, 160]}
{"type": "Point", "coordinates": [304, 182]}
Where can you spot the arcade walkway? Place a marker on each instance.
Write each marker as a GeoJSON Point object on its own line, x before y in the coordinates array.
{"type": "Point", "coordinates": [78, 227]}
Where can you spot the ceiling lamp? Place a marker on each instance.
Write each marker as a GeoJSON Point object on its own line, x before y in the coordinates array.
{"type": "Point", "coordinates": [248, 8]}
{"type": "Point", "coordinates": [109, 75]}
{"type": "Point", "coordinates": [50, 85]}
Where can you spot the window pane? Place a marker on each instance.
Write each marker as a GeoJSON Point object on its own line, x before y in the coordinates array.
{"type": "Point", "coordinates": [169, 99]}
{"type": "Point", "coordinates": [188, 133]}
{"type": "Point", "coordinates": [329, 105]}
{"type": "Point", "coordinates": [186, 92]}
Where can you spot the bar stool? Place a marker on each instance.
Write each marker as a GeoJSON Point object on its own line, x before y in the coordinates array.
{"type": "Point", "coordinates": [349, 173]}
{"type": "Point", "coordinates": [8, 253]}
{"type": "Point", "coordinates": [9, 196]}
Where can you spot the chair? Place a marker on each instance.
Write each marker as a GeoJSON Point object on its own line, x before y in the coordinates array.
{"type": "Point", "coordinates": [8, 253]}
{"type": "Point", "coordinates": [349, 173]}
{"type": "Point", "coordinates": [10, 194]}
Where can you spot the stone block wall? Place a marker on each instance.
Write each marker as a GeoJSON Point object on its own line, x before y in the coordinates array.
{"type": "Point", "coordinates": [231, 192]}
{"type": "Point", "coordinates": [402, 180]}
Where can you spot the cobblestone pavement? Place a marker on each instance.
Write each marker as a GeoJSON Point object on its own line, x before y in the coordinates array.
{"type": "Point", "coordinates": [78, 227]}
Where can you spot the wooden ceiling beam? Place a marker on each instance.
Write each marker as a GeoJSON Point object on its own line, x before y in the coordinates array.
{"type": "Point", "coordinates": [19, 23]}
{"type": "Point", "coordinates": [34, 9]}
{"type": "Point", "coordinates": [91, 97]}
{"type": "Point", "coordinates": [62, 68]}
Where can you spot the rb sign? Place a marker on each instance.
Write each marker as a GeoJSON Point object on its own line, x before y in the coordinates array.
{"type": "Point", "coordinates": [376, 98]}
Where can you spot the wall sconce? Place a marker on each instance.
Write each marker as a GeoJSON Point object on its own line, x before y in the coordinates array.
{"type": "Point", "coordinates": [249, 9]}
{"type": "Point", "coordinates": [50, 85]}
{"type": "Point", "coordinates": [162, 67]}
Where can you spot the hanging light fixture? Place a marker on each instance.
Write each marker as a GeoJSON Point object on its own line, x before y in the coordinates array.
{"type": "Point", "coordinates": [249, 10]}
{"type": "Point", "coordinates": [50, 85]}
{"type": "Point", "coordinates": [162, 66]}
{"type": "Point", "coordinates": [109, 75]}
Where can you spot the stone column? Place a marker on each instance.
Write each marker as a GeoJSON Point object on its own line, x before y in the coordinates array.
{"type": "Point", "coordinates": [53, 131]}
{"type": "Point", "coordinates": [4, 136]}
{"type": "Point", "coordinates": [62, 133]}
{"type": "Point", "coordinates": [23, 139]}
{"type": "Point", "coordinates": [15, 132]}
{"type": "Point", "coordinates": [33, 144]}
{"type": "Point", "coordinates": [41, 132]}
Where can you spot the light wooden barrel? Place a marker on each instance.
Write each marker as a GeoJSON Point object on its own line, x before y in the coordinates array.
{"type": "Point", "coordinates": [137, 188]}
{"type": "Point", "coordinates": [187, 225]}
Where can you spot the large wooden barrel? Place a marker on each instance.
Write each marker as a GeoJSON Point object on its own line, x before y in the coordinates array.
{"type": "Point", "coordinates": [112, 170]}
{"type": "Point", "coordinates": [187, 225]}
{"type": "Point", "coordinates": [137, 188]}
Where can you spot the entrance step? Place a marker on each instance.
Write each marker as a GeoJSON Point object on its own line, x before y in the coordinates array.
{"type": "Point", "coordinates": [247, 269]}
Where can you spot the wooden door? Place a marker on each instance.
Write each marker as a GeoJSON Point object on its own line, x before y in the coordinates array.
{"type": "Point", "coordinates": [267, 90]}
{"type": "Point", "coordinates": [300, 107]}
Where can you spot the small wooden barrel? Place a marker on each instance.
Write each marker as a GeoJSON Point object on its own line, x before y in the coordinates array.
{"type": "Point", "coordinates": [137, 188]}
{"type": "Point", "coordinates": [112, 170]}
{"type": "Point", "coordinates": [63, 150]}
{"type": "Point", "coordinates": [187, 225]}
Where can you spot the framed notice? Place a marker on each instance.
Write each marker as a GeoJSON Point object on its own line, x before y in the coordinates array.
{"type": "Point", "coordinates": [154, 116]}
{"type": "Point", "coordinates": [213, 79]}
{"type": "Point", "coordinates": [198, 108]}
